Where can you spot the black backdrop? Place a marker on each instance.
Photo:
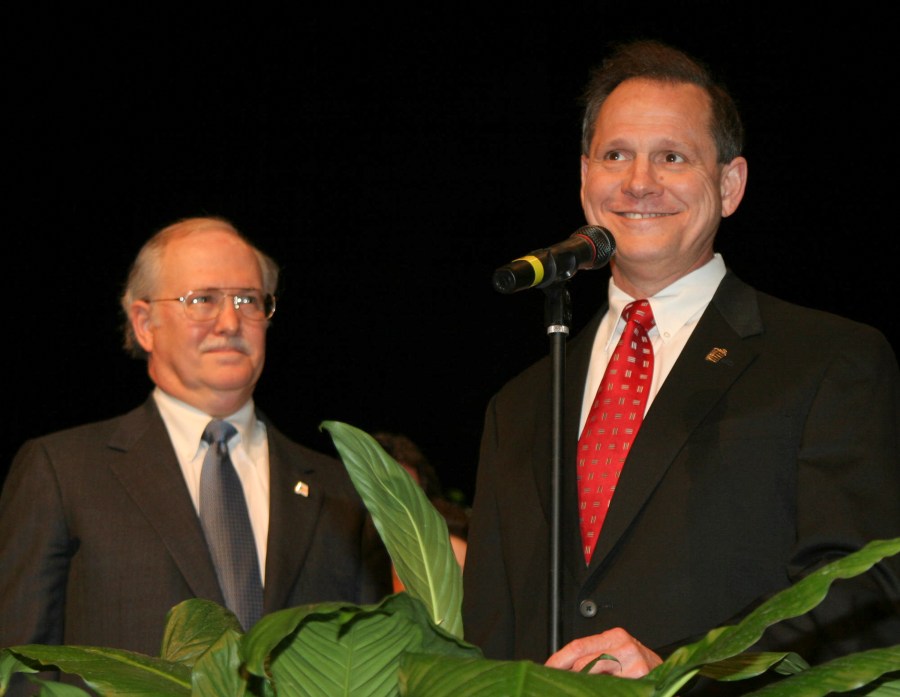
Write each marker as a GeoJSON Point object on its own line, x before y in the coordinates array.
{"type": "Point", "coordinates": [390, 160]}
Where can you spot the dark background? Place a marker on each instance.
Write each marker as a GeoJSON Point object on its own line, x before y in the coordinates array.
{"type": "Point", "coordinates": [390, 160]}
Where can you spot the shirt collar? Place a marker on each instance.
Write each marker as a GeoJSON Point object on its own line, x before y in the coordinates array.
{"type": "Point", "coordinates": [677, 304]}
{"type": "Point", "coordinates": [186, 424]}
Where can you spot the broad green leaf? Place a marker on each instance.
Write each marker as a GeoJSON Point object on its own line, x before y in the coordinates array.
{"type": "Point", "coordinates": [192, 627]}
{"type": "Point", "coordinates": [112, 672]}
{"type": "Point", "coordinates": [414, 533]}
{"type": "Point", "coordinates": [423, 675]}
{"type": "Point", "coordinates": [336, 649]}
{"type": "Point", "coordinates": [9, 665]}
{"type": "Point", "coordinates": [884, 687]}
{"type": "Point", "coordinates": [840, 675]}
{"type": "Point", "coordinates": [217, 673]}
{"type": "Point", "coordinates": [749, 665]}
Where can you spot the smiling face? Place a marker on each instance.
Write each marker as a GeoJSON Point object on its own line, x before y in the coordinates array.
{"type": "Point", "coordinates": [212, 365]}
{"type": "Point", "coordinates": [652, 178]}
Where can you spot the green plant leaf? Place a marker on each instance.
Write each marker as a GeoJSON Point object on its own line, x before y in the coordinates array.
{"type": "Point", "coordinates": [426, 675]}
{"type": "Point", "coordinates": [9, 665]}
{"type": "Point", "coordinates": [335, 649]}
{"type": "Point", "coordinates": [192, 627]}
{"type": "Point", "coordinates": [218, 672]}
{"type": "Point", "coordinates": [111, 672]}
{"type": "Point", "coordinates": [839, 675]}
{"type": "Point", "coordinates": [885, 687]}
{"type": "Point", "coordinates": [414, 533]}
{"type": "Point", "coordinates": [749, 665]}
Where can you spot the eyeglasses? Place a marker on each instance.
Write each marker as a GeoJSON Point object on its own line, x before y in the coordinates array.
{"type": "Point", "coordinates": [206, 304]}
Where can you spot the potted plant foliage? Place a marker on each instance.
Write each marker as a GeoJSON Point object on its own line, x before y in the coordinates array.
{"type": "Point", "coordinates": [411, 642]}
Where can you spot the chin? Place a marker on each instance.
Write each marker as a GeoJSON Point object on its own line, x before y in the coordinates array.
{"type": "Point", "coordinates": [235, 378]}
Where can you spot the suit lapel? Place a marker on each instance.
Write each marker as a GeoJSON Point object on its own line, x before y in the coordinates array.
{"type": "Point", "coordinates": [149, 472]}
{"type": "Point", "coordinates": [713, 358]}
{"type": "Point", "coordinates": [292, 520]}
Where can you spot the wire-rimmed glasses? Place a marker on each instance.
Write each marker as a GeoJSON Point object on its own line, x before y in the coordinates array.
{"type": "Point", "coordinates": [206, 304]}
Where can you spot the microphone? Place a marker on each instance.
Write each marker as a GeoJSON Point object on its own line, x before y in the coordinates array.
{"type": "Point", "coordinates": [589, 247]}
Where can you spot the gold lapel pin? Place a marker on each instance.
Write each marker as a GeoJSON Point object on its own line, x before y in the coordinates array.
{"type": "Point", "coordinates": [301, 488]}
{"type": "Point", "coordinates": [716, 355]}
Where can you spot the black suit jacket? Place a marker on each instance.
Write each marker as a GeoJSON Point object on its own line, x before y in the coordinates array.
{"type": "Point", "coordinates": [99, 538]}
{"type": "Point", "coordinates": [748, 471]}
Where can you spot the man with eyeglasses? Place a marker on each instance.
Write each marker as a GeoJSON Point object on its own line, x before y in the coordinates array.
{"type": "Point", "coordinates": [100, 525]}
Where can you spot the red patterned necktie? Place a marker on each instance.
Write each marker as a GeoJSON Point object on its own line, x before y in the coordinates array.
{"type": "Point", "coordinates": [613, 422]}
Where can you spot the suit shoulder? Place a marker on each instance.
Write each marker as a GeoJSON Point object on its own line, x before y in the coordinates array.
{"type": "Point", "coordinates": [776, 322]}
{"type": "Point", "coordinates": [818, 325]}
{"type": "Point", "coordinates": [536, 377]}
{"type": "Point", "coordinates": [298, 451]}
{"type": "Point", "coordinates": [299, 455]}
{"type": "Point", "coordinates": [87, 436]}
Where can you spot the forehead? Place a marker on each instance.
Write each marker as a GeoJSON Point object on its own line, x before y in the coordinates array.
{"type": "Point", "coordinates": [640, 107]}
{"type": "Point", "coordinates": [210, 258]}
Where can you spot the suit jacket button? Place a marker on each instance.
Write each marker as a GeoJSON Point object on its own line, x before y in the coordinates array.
{"type": "Point", "coordinates": [587, 608]}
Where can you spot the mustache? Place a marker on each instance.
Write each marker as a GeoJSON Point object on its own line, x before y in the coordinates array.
{"type": "Point", "coordinates": [234, 343]}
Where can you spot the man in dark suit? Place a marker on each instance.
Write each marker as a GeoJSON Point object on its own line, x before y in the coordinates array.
{"type": "Point", "coordinates": [770, 439]}
{"type": "Point", "coordinates": [100, 533]}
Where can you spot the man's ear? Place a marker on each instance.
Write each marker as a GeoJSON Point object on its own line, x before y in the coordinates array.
{"type": "Point", "coordinates": [142, 324]}
{"type": "Point", "coordinates": [733, 184]}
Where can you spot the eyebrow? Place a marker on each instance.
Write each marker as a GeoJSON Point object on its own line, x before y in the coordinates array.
{"type": "Point", "coordinates": [663, 144]}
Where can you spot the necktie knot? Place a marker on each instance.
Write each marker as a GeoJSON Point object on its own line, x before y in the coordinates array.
{"type": "Point", "coordinates": [219, 432]}
{"type": "Point", "coordinates": [641, 312]}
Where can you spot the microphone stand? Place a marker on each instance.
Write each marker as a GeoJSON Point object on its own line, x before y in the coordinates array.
{"type": "Point", "coordinates": [557, 317]}
{"type": "Point", "coordinates": [592, 247]}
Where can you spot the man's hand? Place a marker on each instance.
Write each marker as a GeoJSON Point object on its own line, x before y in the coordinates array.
{"type": "Point", "coordinates": [632, 658]}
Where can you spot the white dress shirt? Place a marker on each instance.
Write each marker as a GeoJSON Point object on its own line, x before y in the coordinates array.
{"type": "Point", "coordinates": [676, 309]}
{"type": "Point", "coordinates": [249, 449]}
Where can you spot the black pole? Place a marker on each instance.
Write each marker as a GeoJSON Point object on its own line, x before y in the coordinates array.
{"type": "Point", "coordinates": [557, 317]}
